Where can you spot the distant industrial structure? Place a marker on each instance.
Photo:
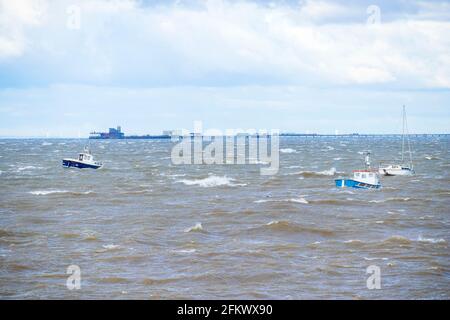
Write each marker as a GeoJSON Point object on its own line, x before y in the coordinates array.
{"type": "Point", "coordinates": [116, 133]}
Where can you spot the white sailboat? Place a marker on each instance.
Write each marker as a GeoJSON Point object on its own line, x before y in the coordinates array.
{"type": "Point", "coordinates": [402, 168]}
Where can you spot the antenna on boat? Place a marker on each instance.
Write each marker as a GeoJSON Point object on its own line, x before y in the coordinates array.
{"type": "Point", "coordinates": [367, 160]}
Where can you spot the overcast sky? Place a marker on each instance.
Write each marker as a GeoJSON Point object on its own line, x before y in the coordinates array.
{"type": "Point", "coordinates": [69, 67]}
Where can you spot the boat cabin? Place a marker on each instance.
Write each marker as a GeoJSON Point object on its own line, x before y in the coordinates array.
{"type": "Point", "coordinates": [86, 157]}
{"type": "Point", "coordinates": [366, 176]}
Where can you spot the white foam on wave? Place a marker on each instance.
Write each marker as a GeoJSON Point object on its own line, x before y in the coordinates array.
{"type": "Point", "coordinates": [110, 246]}
{"type": "Point", "coordinates": [430, 240]}
{"type": "Point", "coordinates": [261, 201]}
{"type": "Point", "coordinates": [47, 144]}
{"type": "Point", "coordinates": [295, 200]}
{"type": "Point", "coordinates": [197, 228]}
{"type": "Point", "coordinates": [185, 251]}
{"type": "Point", "coordinates": [212, 181]}
{"type": "Point", "coordinates": [288, 150]}
{"type": "Point", "coordinates": [371, 259]}
{"type": "Point", "coordinates": [390, 199]}
{"type": "Point", "coordinates": [20, 169]}
{"type": "Point", "coordinates": [47, 192]}
{"type": "Point", "coordinates": [300, 200]}
{"type": "Point", "coordinates": [330, 172]}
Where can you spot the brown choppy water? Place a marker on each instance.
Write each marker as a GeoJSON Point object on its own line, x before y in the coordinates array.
{"type": "Point", "coordinates": [142, 228]}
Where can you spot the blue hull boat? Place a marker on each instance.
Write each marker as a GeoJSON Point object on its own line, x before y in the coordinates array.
{"type": "Point", "coordinates": [85, 161]}
{"type": "Point", "coordinates": [80, 165]}
{"type": "Point", "coordinates": [350, 183]}
{"type": "Point", "coordinates": [362, 179]}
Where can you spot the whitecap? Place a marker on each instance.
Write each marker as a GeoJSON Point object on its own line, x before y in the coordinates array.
{"type": "Point", "coordinates": [430, 240]}
{"type": "Point", "coordinates": [20, 169]}
{"type": "Point", "coordinates": [110, 246]}
{"type": "Point", "coordinates": [330, 172]}
{"type": "Point", "coordinates": [371, 259]}
{"type": "Point", "coordinates": [47, 144]}
{"type": "Point", "coordinates": [185, 251]}
{"type": "Point", "coordinates": [47, 192]}
{"type": "Point", "coordinates": [212, 181]}
{"type": "Point", "coordinates": [299, 200]}
{"type": "Point", "coordinates": [197, 228]}
{"type": "Point", "coordinates": [288, 150]}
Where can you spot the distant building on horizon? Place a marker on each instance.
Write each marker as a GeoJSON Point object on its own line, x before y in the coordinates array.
{"type": "Point", "coordinates": [114, 133]}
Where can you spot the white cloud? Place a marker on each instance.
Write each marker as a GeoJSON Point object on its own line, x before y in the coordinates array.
{"type": "Point", "coordinates": [15, 17]}
{"type": "Point", "coordinates": [222, 42]}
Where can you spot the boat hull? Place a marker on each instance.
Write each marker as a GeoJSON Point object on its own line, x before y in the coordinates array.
{"type": "Point", "coordinates": [396, 172]}
{"type": "Point", "coordinates": [80, 165]}
{"type": "Point", "coordinates": [350, 183]}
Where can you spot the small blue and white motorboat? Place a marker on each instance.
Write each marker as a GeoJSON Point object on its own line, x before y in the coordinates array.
{"type": "Point", "coordinates": [362, 179]}
{"type": "Point", "coordinates": [85, 160]}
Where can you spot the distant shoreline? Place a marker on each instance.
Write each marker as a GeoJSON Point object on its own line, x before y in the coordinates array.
{"type": "Point", "coordinates": [301, 135]}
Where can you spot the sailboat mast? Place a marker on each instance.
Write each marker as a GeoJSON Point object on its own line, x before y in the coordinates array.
{"type": "Point", "coordinates": [409, 142]}
{"type": "Point", "coordinates": [403, 135]}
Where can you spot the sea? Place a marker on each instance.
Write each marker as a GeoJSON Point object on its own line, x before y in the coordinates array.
{"type": "Point", "coordinates": [144, 228]}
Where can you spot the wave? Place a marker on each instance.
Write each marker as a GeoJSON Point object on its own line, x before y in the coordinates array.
{"type": "Point", "coordinates": [212, 181]}
{"type": "Point", "coordinates": [430, 240]}
{"type": "Point", "coordinates": [347, 201]}
{"type": "Point", "coordinates": [397, 240]}
{"type": "Point", "coordinates": [185, 251]}
{"type": "Point", "coordinates": [404, 241]}
{"type": "Point", "coordinates": [197, 228]}
{"type": "Point", "coordinates": [299, 200]}
{"type": "Point", "coordinates": [406, 199]}
{"type": "Point", "coordinates": [354, 242]}
{"type": "Point", "coordinates": [47, 144]}
{"type": "Point", "coordinates": [288, 150]}
{"type": "Point", "coordinates": [312, 174]}
{"type": "Point", "coordinates": [47, 192]}
{"type": "Point", "coordinates": [371, 259]}
{"type": "Point", "coordinates": [287, 226]}
{"type": "Point", "coordinates": [111, 246]}
{"type": "Point", "coordinates": [50, 192]}
{"type": "Point", "coordinates": [432, 158]}
{"type": "Point", "coordinates": [20, 169]}
{"type": "Point", "coordinates": [113, 280]}
{"type": "Point", "coordinates": [295, 200]}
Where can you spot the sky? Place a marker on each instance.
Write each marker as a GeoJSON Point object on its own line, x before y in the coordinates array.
{"type": "Point", "coordinates": [69, 67]}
